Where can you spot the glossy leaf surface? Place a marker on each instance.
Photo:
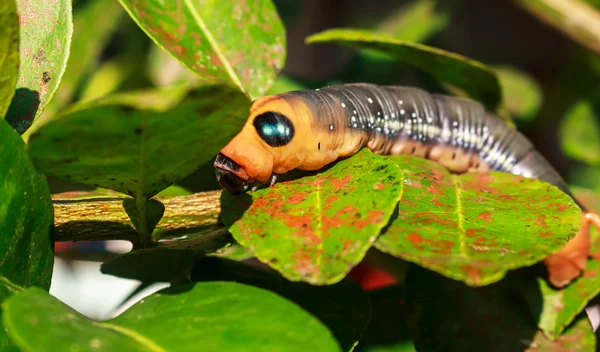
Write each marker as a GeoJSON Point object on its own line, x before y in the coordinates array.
{"type": "Point", "coordinates": [26, 215]}
{"type": "Point", "coordinates": [476, 226]}
{"type": "Point", "coordinates": [217, 316]}
{"type": "Point", "coordinates": [343, 307]}
{"type": "Point", "coordinates": [317, 228]}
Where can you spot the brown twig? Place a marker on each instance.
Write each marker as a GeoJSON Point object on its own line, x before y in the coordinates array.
{"type": "Point", "coordinates": [85, 217]}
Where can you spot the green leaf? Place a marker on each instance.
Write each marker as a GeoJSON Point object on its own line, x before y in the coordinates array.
{"type": "Point", "coordinates": [89, 38]}
{"type": "Point", "coordinates": [556, 309]}
{"type": "Point", "coordinates": [477, 80]}
{"type": "Point", "coordinates": [144, 214]}
{"type": "Point", "coordinates": [522, 94]}
{"type": "Point", "coordinates": [580, 133]}
{"type": "Point", "coordinates": [9, 53]}
{"type": "Point", "coordinates": [139, 143]}
{"type": "Point", "coordinates": [343, 307]}
{"type": "Point", "coordinates": [238, 43]}
{"type": "Point", "coordinates": [476, 226]}
{"type": "Point", "coordinates": [317, 228]}
{"type": "Point", "coordinates": [216, 316]}
{"type": "Point", "coordinates": [7, 288]}
{"type": "Point", "coordinates": [46, 29]}
{"type": "Point", "coordinates": [285, 84]}
{"type": "Point", "coordinates": [446, 315]}
{"type": "Point", "coordinates": [26, 215]}
{"type": "Point", "coordinates": [415, 21]}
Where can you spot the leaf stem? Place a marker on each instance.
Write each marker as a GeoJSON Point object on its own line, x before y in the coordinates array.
{"type": "Point", "coordinates": [146, 237]}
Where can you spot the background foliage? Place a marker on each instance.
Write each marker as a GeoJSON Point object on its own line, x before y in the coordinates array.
{"type": "Point", "coordinates": [113, 112]}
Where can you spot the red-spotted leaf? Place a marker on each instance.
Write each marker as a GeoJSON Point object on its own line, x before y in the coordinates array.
{"type": "Point", "coordinates": [9, 53]}
{"type": "Point", "coordinates": [558, 308]}
{"type": "Point", "coordinates": [241, 43]}
{"type": "Point", "coordinates": [317, 228]}
{"type": "Point", "coordinates": [46, 29]}
{"type": "Point", "coordinates": [477, 226]}
{"type": "Point", "coordinates": [446, 315]}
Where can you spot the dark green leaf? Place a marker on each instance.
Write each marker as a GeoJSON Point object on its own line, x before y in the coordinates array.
{"type": "Point", "coordinates": [152, 265]}
{"type": "Point", "coordinates": [145, 214]}
{"type": "Point", "coordinates": [317, 228]}
{"type": "Point", "coordinates": [139, 143]}
{"type": "Point", "coordinates": [415, 21]}
{"type": "Point", "coordinates": [9, 53]}
{"type": "Point", "coordinates": [26, 216]}
{"type": "Point", "coordinates": [213, 316]}
{"type": "Point", "coordinates": [522, 94]}
{"type": "Point", "coordinates": [446, 315]}
{"type": "Point", "coordinates": [46, 29]}
{"type": "Point", "coordinates": [580, 133]}
{"type": "Point", "coordinates": [343, 307]}
{"type": "Point", "coordinates": [476, 79]}
{"type": "Point", "coordinates": [556, 309]}
{"type": "Point", "coordinates": [476, 226]}
{"type": "Point", "coordinates": [239, 43]}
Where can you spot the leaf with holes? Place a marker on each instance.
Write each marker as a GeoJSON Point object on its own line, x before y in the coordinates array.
{"type": "Point", "coordinates": [477, 80]}
{"type": "Point", "coordinates": [223, 316]}
{"type": "Point", "coordinates": [9, 53]}
{"type": "Point", "coordinates": [317, 228]}
{"type": "Point", "coordinates": [448, 315]}
{"type": "Point", "coordinates": [139, 143]}
{"type": "Point", "coordinates": [343, 307]}
{"type": "Point", "coordinates": [45, 40]}
{"type": "Point", "coordinates": [557, 308]}
{"type": "Point", "coordinates": [476, 226]}
{"type": "Point", "coordinates": [580, 133]}
{"type": "Point", "coordinates": [239, 43]}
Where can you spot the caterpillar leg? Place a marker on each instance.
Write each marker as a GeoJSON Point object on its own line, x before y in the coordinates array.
{"type": "Point", "coordinates": [568, 263]}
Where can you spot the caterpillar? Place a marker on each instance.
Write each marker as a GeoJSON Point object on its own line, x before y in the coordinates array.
{"type": "Point", "coordinates": [309, 129]}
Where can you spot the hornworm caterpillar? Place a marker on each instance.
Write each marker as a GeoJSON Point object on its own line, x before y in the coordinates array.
{"type": "Point", "coordinates": [309, 129]}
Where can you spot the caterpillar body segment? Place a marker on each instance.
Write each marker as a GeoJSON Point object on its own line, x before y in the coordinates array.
{"type": "Point", "coordinates": [309, 129]}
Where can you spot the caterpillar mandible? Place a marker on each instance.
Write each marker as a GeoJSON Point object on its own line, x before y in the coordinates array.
{"type": "Point", "coordinates": [309, 129]}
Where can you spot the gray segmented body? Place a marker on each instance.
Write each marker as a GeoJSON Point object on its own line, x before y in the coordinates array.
{"type": "Point", "coordinates": [386, 114]}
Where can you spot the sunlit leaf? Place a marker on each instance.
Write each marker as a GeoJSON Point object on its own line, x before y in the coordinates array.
{"type": "Point", "coordinates": [141, 142]}
{"type": "Point", "coordinates": [45, 40]}
{"type": "Point", "coordinates": [217, 316]}
{"type": "Point", "coordinates": [476, 79]}
{"type": "Point", "coordinates": [9, 53]}
{"type": "Point", "coordinates": [317, 228]}
{"type": "Point", "coordinates": [580, 133]}
{"type": "Point", "coordinates": [239, 43]}
{"type": "Point", "coordinates": [476, 226]}
{"type": "Point", "coordinates": [26, 216]}
{"type": "Point", "coordinates": [343, 307]}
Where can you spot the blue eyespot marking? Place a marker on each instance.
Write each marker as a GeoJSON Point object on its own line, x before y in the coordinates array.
{"type": "Point", "coordinates": [274, 128]}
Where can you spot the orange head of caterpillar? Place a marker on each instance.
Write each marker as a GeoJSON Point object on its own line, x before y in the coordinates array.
{"type": "Point", "coordinates": [270, 143]}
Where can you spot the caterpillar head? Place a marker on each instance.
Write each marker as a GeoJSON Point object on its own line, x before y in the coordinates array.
{"type": "Point", "coordinates": [271, 142]}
